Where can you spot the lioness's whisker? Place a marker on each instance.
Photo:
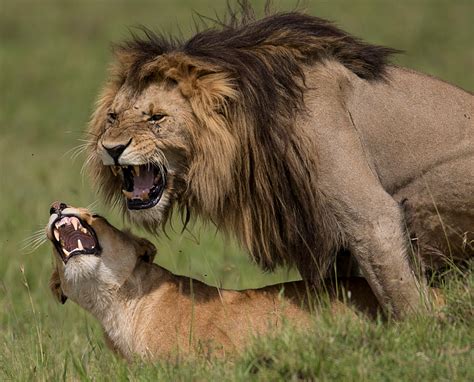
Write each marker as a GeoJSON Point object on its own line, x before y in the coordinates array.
{"type": "Point", "coordinates": [33, 242]}
{"type": "Point", "coordinates": [91, 207]}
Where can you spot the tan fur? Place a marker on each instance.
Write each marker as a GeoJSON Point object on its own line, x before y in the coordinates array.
{"type": "Point", "coordinates": [300, 143]}
{"type": "Point", "coordinates": [149, 313]}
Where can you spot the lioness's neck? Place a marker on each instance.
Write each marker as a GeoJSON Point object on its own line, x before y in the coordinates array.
{"type": "Point", "coordinates": [117, 309]}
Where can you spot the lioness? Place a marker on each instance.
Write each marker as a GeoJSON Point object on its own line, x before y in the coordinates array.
{"type": "Point", "coordinates": [148, 312]}
{"type": "Point", "coordinates": [299, 139]}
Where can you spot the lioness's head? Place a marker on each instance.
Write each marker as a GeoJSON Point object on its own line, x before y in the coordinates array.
{"type": "Point", "coordinates": [91, 256]}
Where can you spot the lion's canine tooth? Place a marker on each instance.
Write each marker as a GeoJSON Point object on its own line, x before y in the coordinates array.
{"type": "Point", "coordinates": [66, 252]}
{"type": "Point", "coordinates": [56, 234]}
{"type": "Point", "coordinates": [79, 244]}
{"type": "Point", "coordinates": [74, 223]}
{"type": "Point", "coordinates": [136, 170]}
{"type": "Point", "coordinates": [128, 194]}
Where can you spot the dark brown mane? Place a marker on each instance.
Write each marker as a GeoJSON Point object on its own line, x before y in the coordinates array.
{"type": "Point", "coordinates": [274, 206]}
{"type": "Point", "coordinates": [262, 55]}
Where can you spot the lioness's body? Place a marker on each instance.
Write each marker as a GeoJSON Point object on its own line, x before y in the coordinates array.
{"type": "Point", "coordinates": [302, 141]}
{"type": "Point", "coordinates": [148, 312]}
{"type": "Point", "coordinates": [178, 314]}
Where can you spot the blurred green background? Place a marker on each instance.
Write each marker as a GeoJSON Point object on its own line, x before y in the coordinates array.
{"type": "Point", "coordinates": [54, 57]}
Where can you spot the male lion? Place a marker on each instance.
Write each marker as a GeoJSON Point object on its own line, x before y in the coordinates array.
{"type": "Point", "coordinates": [148, 312]}
{"type": "Point", "coordinates": [299, 139]}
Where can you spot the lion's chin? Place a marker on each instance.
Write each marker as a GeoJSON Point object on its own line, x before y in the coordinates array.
{"type": "Point", "coordinates": [153, 215]}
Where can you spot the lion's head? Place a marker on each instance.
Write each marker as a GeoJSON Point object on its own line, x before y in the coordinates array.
{"type": "Point", "coordinates": [209, 124]}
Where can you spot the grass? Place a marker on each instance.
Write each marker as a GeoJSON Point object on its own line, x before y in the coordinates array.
{"type": "Point", "coordinates": [53, 59]}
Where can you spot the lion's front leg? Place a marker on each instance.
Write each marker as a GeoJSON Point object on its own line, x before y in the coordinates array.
{"type": "Point", "coordinates": [370, 221]}
{"type": "Point", "coordinates": [376, 238]}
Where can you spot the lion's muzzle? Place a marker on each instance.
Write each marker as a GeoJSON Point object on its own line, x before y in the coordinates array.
{"type": "Point", "coordinates": [143, 185]}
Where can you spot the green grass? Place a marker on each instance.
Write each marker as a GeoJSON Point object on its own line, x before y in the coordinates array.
{"type": "Point", "coordinates": [53, 60]}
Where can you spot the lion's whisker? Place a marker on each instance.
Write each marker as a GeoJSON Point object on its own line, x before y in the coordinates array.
{"type": "Point", "coordinates": [76, 151]}
{"type": "Point", "coordinates": [86, 163]}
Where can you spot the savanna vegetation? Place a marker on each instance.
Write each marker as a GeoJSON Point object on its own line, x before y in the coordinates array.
{"type": "Point", "coordinates": [53, 60]}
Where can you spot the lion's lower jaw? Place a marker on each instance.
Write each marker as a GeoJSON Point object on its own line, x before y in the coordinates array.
{"type": "Point", "coordinates": [151, 217]}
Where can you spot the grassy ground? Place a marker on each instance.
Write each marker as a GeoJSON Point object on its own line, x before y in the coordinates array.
{"type": "Point", "coordinates": [53, 59]}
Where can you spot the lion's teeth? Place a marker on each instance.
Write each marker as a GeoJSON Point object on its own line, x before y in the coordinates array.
{"type": "Point", "coordinates": [79, 244]}
{"type": "Point", "coordinates": [128, 194]}
{"type": "Point", "coordinates": [83, 230]}
{"type": "Point", "coordinates": [66, 252]}
{"type": "Point", "coordinates": [74, 223]}
{"type": "Point", "coordinates": [136, 170]}
{"type": "Point", "coordinates": [56, 234]}
{"type": "Point", "coordinates": [114, 170]}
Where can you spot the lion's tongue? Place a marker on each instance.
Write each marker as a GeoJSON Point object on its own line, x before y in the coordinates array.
{"type": "Point", "coordinates": [143, 183]}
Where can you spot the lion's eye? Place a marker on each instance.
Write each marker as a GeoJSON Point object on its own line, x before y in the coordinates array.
{"type": "Point", "coordinates": [111, 117]}
{"type": "Point", "coordinates": [157, 118]}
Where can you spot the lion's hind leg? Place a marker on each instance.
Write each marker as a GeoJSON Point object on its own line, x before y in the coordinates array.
{"type": "Point", "coordinates": [439, 212]}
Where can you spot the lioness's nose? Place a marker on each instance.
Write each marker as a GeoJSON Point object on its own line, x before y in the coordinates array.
{"type": "Point", "coordinates": [116, 151]}
{"type": "Point", "coordinates": [57, 207]}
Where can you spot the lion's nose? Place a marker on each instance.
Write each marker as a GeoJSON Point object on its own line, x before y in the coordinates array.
{"type": "Point", "coordinates": [57, 207]}
{"type": "Point", "coordinates": [116, 151]}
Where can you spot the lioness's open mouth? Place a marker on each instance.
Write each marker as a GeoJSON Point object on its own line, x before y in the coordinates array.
{"type": "Point", "coordinates": [73, 236]}
{"type": "Point", "coordinates": [143, 185]}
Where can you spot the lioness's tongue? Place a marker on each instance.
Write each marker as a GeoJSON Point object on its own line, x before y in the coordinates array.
{"type": "Point", "coordinates": [143, 183]}
{"type": "Point", "coordinates": [70, 237]}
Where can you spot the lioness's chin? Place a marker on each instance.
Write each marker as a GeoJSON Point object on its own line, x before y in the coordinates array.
{"type": "Point", "coordinates": [81, 268]}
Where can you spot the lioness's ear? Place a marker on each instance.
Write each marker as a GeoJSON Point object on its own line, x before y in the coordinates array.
{"type": "Point", "coordinates": [55, 286]}
{"type": "Point", "coordinates": [147, 250]}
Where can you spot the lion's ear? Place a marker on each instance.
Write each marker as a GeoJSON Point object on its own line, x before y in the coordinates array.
{"type": "Point", "coordinates": [146, 251]}
{"type": "Point", "coordinates": [55, 287]}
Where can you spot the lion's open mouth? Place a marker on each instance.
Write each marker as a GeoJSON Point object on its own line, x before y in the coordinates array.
{"type": "Point", "coordinates": [73, 236]}
{"type": "Point", "coordinates": [143, 185]}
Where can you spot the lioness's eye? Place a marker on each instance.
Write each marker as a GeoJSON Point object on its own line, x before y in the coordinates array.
{"type": "Point", "coordinates": [111, 117]}
{"type": "Point", "coordinates": [157, 118]}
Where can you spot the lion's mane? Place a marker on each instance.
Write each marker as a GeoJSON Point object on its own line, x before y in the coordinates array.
{"type": "Point", "coordinates": [251, 171]}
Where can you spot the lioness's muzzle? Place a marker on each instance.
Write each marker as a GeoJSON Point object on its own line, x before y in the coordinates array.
{"type": "Point", "coordinates": [72, 236]}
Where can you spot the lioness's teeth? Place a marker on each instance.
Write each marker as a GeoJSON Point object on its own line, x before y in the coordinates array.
{"type": "Point", "coordinates": [66, 252]}
{"type": "Point", "coordinates": [136, 170]}
{"type": "Point", "coordinates": [56, 234]}
{"type": "Point", "coordinates": [79, 244]}
{"type": "Point", "coordinates": [83, 230]}
{"type": "Point", "coordinates": [74, 223]}
{"type": "Point", "coordinates": [128, 194]}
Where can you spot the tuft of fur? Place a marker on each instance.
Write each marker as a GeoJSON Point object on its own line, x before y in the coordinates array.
{"type": "Point", "coordinates": [251, 169]}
